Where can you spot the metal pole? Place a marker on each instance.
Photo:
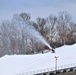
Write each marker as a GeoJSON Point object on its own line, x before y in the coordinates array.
{"type": "Point", "coordinates": [56, 58]}
{"type": "Point", "coordinates": [56, 64]}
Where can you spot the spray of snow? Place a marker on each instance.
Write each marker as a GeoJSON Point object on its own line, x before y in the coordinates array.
{"type": "Point", "coordinates": [29, 30]}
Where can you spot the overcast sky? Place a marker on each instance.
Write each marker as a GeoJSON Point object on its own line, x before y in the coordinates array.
{"type": "Point", "coordinates": [36, 8]}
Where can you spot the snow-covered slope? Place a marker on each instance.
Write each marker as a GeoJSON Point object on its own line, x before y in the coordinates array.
{"type": "Point", "coordinates": [33, 64]}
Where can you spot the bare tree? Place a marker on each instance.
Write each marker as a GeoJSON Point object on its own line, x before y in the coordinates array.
{"type": "Point", "coordinates": [51, 22]}
{"type": "Point", "coordinates": [64, 20]}
{"type": "Point", "coordinates": [25, 16]}
{"type": "Point", "coordinates": [41, 22]}
{"type": "Point", "coordinates": [72, 32]}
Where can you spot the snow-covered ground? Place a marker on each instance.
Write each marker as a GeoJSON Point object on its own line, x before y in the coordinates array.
{"type": "Point", "coordinates": [37, 63]}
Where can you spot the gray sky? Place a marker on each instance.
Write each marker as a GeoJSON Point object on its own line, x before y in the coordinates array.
{"type": "Point", "coordinates": [37, 8]}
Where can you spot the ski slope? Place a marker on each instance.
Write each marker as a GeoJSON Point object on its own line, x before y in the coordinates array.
{"type": "Point", "coordinates": [37, 63]}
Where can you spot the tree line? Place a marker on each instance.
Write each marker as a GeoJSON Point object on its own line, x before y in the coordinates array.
{"type": "Point", "coordinates": [57, 30]}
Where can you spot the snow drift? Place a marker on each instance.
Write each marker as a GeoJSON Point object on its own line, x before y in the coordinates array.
{"type": "Point", "coordinates": [37, 63]}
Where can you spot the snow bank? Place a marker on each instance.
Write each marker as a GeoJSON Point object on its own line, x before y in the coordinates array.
{"type": "Point", "coordinates": [33, 64]}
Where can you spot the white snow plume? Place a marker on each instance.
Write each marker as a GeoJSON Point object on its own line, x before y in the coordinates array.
{"type": "Point", "coordinates": [29, 30]}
